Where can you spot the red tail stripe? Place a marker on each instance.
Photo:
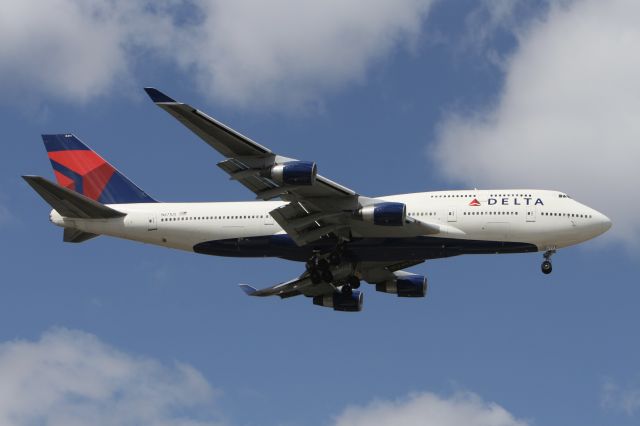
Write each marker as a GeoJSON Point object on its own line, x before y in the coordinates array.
{"type": "Point", "coordinates": [94, 182]}
{"type": "Point", "coordinates": [80, 162]}
{"type": "Point", "coordinates": [64, 181]}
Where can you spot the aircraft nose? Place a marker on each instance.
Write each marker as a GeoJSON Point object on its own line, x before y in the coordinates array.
{"type": "Point", "coordinates": [603, 222]}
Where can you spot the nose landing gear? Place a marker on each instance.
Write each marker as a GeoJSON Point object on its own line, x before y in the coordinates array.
{"type": "Point", "coordinates": [546, 266]}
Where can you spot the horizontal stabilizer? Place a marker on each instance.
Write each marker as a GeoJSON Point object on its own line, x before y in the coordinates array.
{"type": "Point", "coordinates": [68, 202]}
{"type": "Point", "coordinates": [76, 236]}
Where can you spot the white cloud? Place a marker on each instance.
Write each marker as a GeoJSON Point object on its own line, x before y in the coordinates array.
{"type": "Point", "coordinates": [257, 52]}
{"type": "Point", "coordinates": [246, 52]}
{"type": "Point", "coordinates": [428, 409]}
{"type": "Point", "coordinates": [489, 17]}
{"type": "Point", "coordinates": [625, 399]}
{"type": "Point", "coordinates": [567, 117]}
{"type": "Point", "coordinates": [73, 49]}
{"type": "Point", "coordinates": [71, 378]}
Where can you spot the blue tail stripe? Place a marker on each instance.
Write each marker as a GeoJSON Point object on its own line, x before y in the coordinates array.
{"type": "Point", "coordinates": [77, 178]}
{"type": "Point", "coordinates": [66, 142]}
{"type": "Point", "coordinates": [120, 190]}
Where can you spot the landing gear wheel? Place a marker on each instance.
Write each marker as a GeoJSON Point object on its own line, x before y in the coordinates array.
{"type": "Point", "coordinates": [346, 290]}
{"type": "Point", "coordinates": [353, 281]}
{"type": "Point", "coordinates": [546, 264]}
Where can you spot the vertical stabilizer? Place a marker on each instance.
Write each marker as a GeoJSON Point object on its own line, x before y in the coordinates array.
{"type": "Point", "coordinates": [79, 168]}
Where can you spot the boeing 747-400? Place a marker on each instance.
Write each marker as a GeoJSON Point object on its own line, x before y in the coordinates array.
{"type": "Point", "coordinates": [341, 236]}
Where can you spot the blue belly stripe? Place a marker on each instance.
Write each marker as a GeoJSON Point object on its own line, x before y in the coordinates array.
{"type": "Point", "coordinates": [366, 249]}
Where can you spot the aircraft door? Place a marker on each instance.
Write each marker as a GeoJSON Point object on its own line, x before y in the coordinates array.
{"type": "Point", "coordinates": [451, 215]}
{"type": "Point", "coordinates": [152, 224]}
{"type": "Point", "coordinates": [530, 214]}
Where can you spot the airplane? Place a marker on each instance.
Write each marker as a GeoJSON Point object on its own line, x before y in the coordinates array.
{"type": "Point", "coordinates": [342, 237]}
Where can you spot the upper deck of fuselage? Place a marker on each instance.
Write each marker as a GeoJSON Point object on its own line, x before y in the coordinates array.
{"type": "Point", "coordinates": [483, 197]}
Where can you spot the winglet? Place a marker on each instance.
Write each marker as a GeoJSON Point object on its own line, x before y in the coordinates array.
{"type": "Point", "coordinates": [157, 96]}
{"type": "Point", "coordinates": [250, 291]}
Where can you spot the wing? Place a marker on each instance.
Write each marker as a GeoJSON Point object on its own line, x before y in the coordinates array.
{"type": "Point", "coordinates": [372, 272]}
{"type": "Point", "coordinates": [317, 206]}
{"type": "Point", "coordinates": [247, 160]}
{"type": "Point", "coordinates": [294, 287]}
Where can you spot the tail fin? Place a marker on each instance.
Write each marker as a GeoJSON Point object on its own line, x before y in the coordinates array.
{"type": "Point", "coordinates": [81, 169]}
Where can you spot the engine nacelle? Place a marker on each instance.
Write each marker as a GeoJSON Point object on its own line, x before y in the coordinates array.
{"type": "Point", "coordinates": [341, 301]}
{"type": "Point", "coordinates": [294, 173]}
{"type": "Point", "coordinates": [409, 285]}
{"type": "Point", "coordinates": [385, 214]}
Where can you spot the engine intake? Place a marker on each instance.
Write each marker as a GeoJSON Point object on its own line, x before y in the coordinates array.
{"type": "Point", "coordinates": [384, 214]}
{"type": "Point", "coordinates": [409, 285]}
{"type": "Point", "coordinates": [294, 173]}
{"type": "Point", "coordinates": [341, 301]}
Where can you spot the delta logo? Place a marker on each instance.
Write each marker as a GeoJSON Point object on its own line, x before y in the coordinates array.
{"type": "Point", "coordinates": [525, 201]}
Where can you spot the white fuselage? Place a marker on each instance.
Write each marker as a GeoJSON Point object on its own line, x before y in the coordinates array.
{"type": "Point", "coordinates": [546, 219]}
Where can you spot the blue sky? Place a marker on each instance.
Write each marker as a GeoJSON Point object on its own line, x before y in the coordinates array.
{"type": "Point", "coordinates": [386, 97]}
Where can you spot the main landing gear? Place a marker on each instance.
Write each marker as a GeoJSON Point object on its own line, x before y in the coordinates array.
{"type": "Point", "coordinates": [321, 269]}
{"type": "Point", "coordinates": [546, 266]}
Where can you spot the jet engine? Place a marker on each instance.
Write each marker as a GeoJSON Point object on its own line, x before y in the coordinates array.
{"type": "Point", "coordinates": [405, 285]}
{"type": "Point", "coordinates": [349, 302]}
{"type": "Point", "coordinates": [385, 214]}
{"type": "Point", "coordinates": [294, 173]}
